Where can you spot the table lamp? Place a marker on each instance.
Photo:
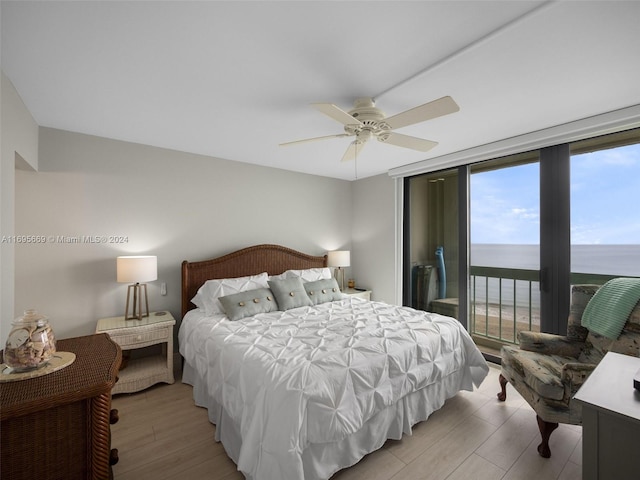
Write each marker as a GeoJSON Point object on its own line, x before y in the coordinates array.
{"type": "Point", "coordinates": [339, 259]}
{"type": "Point", "coordinates": [136, 270]}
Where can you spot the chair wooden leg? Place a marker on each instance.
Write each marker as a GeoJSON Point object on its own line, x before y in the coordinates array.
{"type": "Point", "coordinates": [502, 395]}
{"type": "Point", "coordinates": [545, 432]}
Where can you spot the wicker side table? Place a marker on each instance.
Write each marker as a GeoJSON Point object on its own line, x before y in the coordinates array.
{"type": "Point", "coordinates": [366, 294]}
{"type": "Point", "coordinates": [57, 426]}
{"type": "Point", "coordinates": [141, 373]}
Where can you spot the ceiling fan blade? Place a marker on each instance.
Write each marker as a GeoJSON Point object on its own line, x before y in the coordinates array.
{"type": "Point", "coordinates": [353, 150]}
{"type": "Point", "coordinates": [407, 141]}
{"type": "Point", "coordinates": [336, 113]}
{"type": "Point", "coordinates": [314, 139]}
{"type": "Point", "coordinates": [437, 108]}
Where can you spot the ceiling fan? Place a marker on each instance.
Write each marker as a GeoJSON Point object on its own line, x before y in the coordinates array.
{"type": "Point", "coordinates": [366, 121]}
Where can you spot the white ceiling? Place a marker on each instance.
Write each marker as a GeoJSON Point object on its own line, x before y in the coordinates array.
{"type": "Point", "coordinates": [234, 79]}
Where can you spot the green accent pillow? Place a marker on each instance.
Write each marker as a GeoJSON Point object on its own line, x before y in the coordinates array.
{"type": "Point", "coordinates": [321, 291]}
{"type": "Point", "coordinates": [290, 293]}
{"type": "Point", "coordinates": [249, 303]}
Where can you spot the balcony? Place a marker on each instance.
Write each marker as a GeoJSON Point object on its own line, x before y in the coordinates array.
{"type": "Point", "coordinates": [505, 301]}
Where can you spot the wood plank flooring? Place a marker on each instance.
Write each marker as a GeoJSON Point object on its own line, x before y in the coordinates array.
{"type": "Point", "coordinates": [162, 435]}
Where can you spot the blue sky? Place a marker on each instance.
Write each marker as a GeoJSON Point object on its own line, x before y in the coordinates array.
{"type": "Point", "coordinates": [605, 199]}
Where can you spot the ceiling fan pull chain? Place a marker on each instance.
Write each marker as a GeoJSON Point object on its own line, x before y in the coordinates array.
{"type": "Point", "coordinates": [355, 163]}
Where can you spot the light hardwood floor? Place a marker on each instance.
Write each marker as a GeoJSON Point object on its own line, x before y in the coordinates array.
{"type": "Point", "coordinates": [162, 435]}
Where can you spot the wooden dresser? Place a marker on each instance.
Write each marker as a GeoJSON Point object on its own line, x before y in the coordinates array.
{"type": "Point", "coordinates": [57, 426]}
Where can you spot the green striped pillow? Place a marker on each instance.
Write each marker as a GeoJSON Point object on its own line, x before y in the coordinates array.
{"type": "Point", "coordinates": [610, 307]}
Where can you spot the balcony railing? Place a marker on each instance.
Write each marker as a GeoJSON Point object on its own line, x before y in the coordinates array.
{"type": "Point", "coordinates": [505, 301]}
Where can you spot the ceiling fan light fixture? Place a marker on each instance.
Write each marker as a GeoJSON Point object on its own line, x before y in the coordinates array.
{"type": "Point", "coordinates": [364, 136]}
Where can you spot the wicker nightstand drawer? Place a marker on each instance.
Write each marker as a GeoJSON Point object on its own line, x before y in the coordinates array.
{"type": "Point", "coordinates": [140, 337]}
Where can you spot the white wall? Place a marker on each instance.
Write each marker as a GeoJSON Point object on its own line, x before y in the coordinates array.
{"type": "Point", "coordinates": [175, 205]}
{"type": "Point", "coordinates": [373, 237]}
{"type": "Point", "coordinates": [19, 141]}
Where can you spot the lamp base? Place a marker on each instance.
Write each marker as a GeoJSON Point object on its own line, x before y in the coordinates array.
{"type": "Point", "coordinates": [340, 278]}
{"type": "Point", "coordinates": [137, 290]}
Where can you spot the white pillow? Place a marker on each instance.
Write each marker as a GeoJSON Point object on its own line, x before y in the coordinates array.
{"type": "Point", "coordinates": [208, 294]}
{"type": "Point", "coordinates": [307, 275]}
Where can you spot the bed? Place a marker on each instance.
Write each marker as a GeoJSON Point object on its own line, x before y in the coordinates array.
{"type": "Point", "coordinates": [303, 390]}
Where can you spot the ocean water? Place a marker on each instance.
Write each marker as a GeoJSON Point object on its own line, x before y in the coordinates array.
{"type": "Point", "coordinates": [622, 260]}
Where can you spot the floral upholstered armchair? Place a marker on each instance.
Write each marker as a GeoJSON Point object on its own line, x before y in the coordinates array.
{"type": "Point", "coordinates": [547, 370]}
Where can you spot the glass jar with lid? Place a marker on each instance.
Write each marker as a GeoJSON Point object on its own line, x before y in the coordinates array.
{"type": "Point", "coordinates": [31, 342]}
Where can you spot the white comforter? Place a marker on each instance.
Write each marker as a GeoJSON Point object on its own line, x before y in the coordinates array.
{"type": "Point", "coordinates": [317, 374]}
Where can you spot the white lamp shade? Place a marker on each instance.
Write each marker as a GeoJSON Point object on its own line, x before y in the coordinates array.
{"type": "Point", "coordinates": [339, 258]}
{"type": "Point", "coordinates": [137, 269]}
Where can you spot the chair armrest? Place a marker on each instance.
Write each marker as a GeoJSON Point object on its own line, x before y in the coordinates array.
{"type": "Point", "coordinates": [549, 344]}
{"type": "Point", "coordinates": [575, 374]}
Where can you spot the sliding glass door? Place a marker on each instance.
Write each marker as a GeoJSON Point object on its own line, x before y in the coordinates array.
{"type": "Point", "coordinates": [432, 252]}
{"type": "Point", "coordinates": [504, 251]}
{"type": "Point", "coordinates": [498, 244]}
{"type": "Point", "coordinates": [605, 218]}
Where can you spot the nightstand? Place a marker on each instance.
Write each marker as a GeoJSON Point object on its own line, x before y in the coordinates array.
{"type": "Point", "coordinates": [141, 373]}
{"type": "Point", "coordinates": [366, 294]}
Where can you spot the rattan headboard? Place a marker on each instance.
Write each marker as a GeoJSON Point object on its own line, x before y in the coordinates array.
{"type": "Point", "coordinates": [273, 259]}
